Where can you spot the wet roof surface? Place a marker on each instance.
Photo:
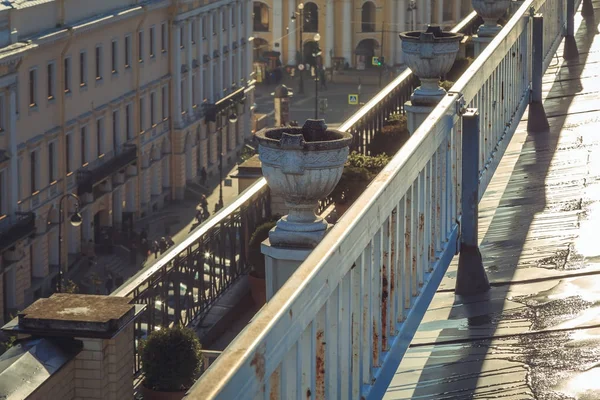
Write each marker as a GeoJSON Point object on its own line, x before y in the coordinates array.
{"type": "Point", "coordinates": [536, 334]}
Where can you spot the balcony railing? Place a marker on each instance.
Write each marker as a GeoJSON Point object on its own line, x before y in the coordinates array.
{"type": "Point", "coordinates": [93, 174]}
{"type": "Point", "coordinates": [341, 324]}
{"type": "Point", "coordinates": [16, 228]}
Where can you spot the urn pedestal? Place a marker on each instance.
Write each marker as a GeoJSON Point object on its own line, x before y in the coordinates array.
{"type": "Point", "coordinates": [301, 165]}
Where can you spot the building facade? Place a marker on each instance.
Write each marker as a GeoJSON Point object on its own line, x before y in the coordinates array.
{"type": "Point", "coordinates": [351, 31]}
{"type": "Point", "coordinates": [120, 102]}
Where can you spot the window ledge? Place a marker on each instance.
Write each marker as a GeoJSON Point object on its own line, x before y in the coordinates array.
{"type": "Point", "coordinates": [83, 87]}
{"type": "Point", "coordinates": [99, 81]}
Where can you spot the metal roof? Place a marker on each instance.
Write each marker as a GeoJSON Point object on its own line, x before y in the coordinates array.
{"type": "Point", "coordinates": [17, 4]}
{"type": "Point", "coordinates": [27, 365]}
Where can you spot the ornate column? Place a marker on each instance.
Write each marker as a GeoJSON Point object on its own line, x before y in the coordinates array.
{"type": "Point", "coordinates": [330, 33]}
{"type": "Point", "coordinates": [401, 6]}
{"type": "Point", "coordinates": [293, 35]}
{"type": "Point", "coordinates": [211, 50]}
{"type": "Point", "coordinates": [190, 70]}
{"type": "Point", "coordinates": [200, 56]}
{"type": "Point", "coordinates": [176, 68]}
{"type": "Point", "coordinates": [428, 12]}
{"type": "Point", "coordinates": [12, 148]}
{"type": "Point", "coordinates": [220, 72]}
{"type": "Point", "coordinates": [456, 11]}
{"type": "Point", "coordinates": [439, 18]}
{"type": "Point", "coordinates": [347, 39]}
{"type": "Point", "coordinates": [230, 75]}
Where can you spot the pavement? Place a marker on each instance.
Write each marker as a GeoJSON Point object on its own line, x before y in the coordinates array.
{"type": "Point", "coordinates": [302, 106]}
{"type": "Point", "coordinates": [536, 333]}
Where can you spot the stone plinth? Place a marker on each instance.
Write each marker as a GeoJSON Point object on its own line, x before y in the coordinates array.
{"type": "Point", "coordinates": [480, 43]}
{"type": "Point", "coordinates": [415, 115]}
{"type": "Point", "coordinates": [103, 330]}
{"type": "Point", "coordinates": [280, 264]}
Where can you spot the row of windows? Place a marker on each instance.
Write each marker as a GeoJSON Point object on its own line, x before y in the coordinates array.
{"type": "Point", "coordinates": [87, 142]}
{"type": "Point", "coordinates": [99, 63]}
{"type": "Point", "coordinates": [231, 14]}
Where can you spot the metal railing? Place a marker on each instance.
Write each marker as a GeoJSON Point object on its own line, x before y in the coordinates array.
{"type": "Point", "coordinates": [341, 324]}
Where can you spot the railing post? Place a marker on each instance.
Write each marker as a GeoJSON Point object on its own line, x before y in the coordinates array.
{"type": "Point", "coordinates": [570, 52]}
{"type": "Point", "coordinates": [587, 9]}
{"type": "Point", "coordinates": [537, 120]}
{"type": "Point", "coordinates": [471, 277]}
{"type": "Point", "coordinates": [570, 18]}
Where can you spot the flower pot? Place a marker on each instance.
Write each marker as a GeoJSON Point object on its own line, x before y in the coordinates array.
{"type": "Point", "coordinates": [430, 55]}
{"type": "Point", "coordinates": [302, 165]}
{"type": "Point", "coordinates": [490, 11]}
{"type": "Point", "coordinates": [258, 290]}
{"type": "Point", "coordinates": [150, 394]}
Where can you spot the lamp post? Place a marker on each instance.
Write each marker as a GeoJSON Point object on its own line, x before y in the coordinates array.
{"type": "Point", "coordinates": [300, 49]}
{"type": "Point", "coordinates": [317, 37]}
{"type": "Point", "coordinates": [75, 220]}
{"type": "Point", "coordinates": [232, 117]}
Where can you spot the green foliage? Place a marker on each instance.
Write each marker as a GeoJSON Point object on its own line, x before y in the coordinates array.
{"type": "Point", "coordinates": [255, 256]}
{"type": "Point", "coordinates": [171, 359]}
{"type": "Point", "coordinates": [247, 153]}
{"type": "Point", "coordinates": [359, 171]}
{"type": "Point", "coordinates": [391, 137]}
{"type": "Point", "coordinates": [446, 85]}
{"type": "Point", "coordinates": [372, 163]}
{"type": "Point", "coordinates": [5, 345]}
{"type": "Point", "coordinates": [70, 287]}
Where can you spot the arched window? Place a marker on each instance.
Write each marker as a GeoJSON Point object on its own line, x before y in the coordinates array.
{"type": "Point", "coordinates": [261, 17]}
{"type": "Point", "coordinates": [311, 17]}
{"type": "Point", "coordinates": [368, 17]}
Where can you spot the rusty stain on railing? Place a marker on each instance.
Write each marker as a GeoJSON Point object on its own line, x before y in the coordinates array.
{"type": "Point", "coordinates": [320, 365]}
{"type": "Point", "coordinates": [258, 363]}
{"type": "Point", "coordinates": [384, 303]}
{"type": "Point", "coordinates": [274, 382]}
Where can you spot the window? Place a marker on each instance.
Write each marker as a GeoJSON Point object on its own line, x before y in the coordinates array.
{"type": "Point", "coordinates": [194, 92]}
{"type": "Point", "coordinates": [2, 112]}
{"type": "Point", "coordinates": [182, 97]}
{"type": "Point", "coordinates": [128, 129]}
{"type": "Point", "coordinates": [242, 12]}
{"type": "Point", "coordinates": [50, 70]}
{"type": "Point", "coordinates": [224, 14]}
{"type": "Point", "coordinates": [51, 162]}
{"type": "Point", "coordinates": [33, 171]}
{"type": "Point", "coordinates": [114, 54]}
{"type": "Point", "coordinates": [127, 51]}
{"type": "Point", "coordinates": [164, 102]}
{"type": "Point", "coordinates": [68, 148]}
{"type": "Point", "coordinates": [98, 63]}
{"type": "Point", "coordinates": [213, 21]}
{"type": "Point", "coordinates": [82, 69]}
{"type": "Point", "coordinates": [163, 37]}
{"type": "Point", "coordinates": [100, 136]}
{"type": "Point", "coordinates": [3, 193]}
{"type": "Point", "coordinates": [67, 77]}
{"type": "Point", "coordinates": [233, 16]}
{"type": "Point", "coordinates": [115, 130]}
{"type": "Point", "coordinates": [181, 37]}
{"type": "Point", "coordinates": [32, 87]}
{"type": "Point", "coordinates": [152, 41]}
{"type": "Point", "coordinates": [193, 31]}
{"type": "Point", "coordinates": [141, 46]}
{"type": "Point", "coordinates": [141, 114]}
{"type": "Point", "coordinates": [203, 25]}
{"type": "Point", "coordinates": [152, 104]}
{"type": "Point", "coordinates": [84, 155]}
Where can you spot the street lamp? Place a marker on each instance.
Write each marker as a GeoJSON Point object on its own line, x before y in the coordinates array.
{"type": "Point", "coordinates": [76, 221]}
{"type": "Point", "coordinates": [301, 15]}
{"type": "Point", "coordinates": [316, 38]}
{"type": "Point", "coordinates": [232, 117]}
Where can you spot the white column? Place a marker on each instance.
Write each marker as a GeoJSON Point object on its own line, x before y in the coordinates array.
{"type": "Point", "coordinates": [14, 173]}
{"type": "Point", "coordinates": [421, 10]}
{"type": "Point", "coordinates": [238, 61]}
{"type": "Point", "coordinates": [400, 27]}
{"type": "Point", "coordinates": [220, 72]}
{"type": "Point", "coordinates": [293, 33]}
{"type": "Point", "coordinates": [229, 80]}
{"type": "Point", "coordinates": [200, 56]}
{"type": "Point", "coordinates": [211, 50]}
{"type": "Point", "coordinates": [176, 82]}
{"type": "Point", "coordinates": [440, 12]}
{"type": "Point", "coordinates": [428, 12]}
{"type": "Point", "coordinates": [190, 73]}
{"type": "Point", "coordinates": [277, 24]}
{"type": "Point", "coordinates": [347, 39]}
{"type": "Point", "coordinates": [456, 11]}
{"type": "Point", "coordinates": [249, 44]}
{"type": "Point", "coordinates": [330, 33]}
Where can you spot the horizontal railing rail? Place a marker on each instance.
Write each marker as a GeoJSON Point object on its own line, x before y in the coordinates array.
{"type": "Point", "coordinates": [340, 325]}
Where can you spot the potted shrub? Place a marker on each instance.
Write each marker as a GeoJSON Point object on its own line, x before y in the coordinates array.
{"type": "Point", "coordinates": [256, 277]}
{"type": "Point", "coordinates": [171, 362]}
{"type": "Point", "coordinates": [392, 136]}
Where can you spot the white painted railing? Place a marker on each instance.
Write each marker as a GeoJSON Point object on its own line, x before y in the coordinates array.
{"type": "Point", "coordinates": [341, 324]}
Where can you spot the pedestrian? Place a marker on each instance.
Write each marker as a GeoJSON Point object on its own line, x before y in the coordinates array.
{"type": "Point", "coordinates": [163, 245]}
{"type": "Point", "coordinates": [155, 249]}
{"type": "Point", "coordinates": [199, 215]}
{"type": "Point", "coordinates": [145, 249]}
{"type": "Point", "coordinates": [204, 203]}
{"type": "Point", "coordinates": [170, 241]}
{"type": "Point", "coordinates": [203, 176]}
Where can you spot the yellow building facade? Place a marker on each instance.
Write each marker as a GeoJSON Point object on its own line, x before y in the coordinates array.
{"type": "Point", "coordinates": [350, 31]}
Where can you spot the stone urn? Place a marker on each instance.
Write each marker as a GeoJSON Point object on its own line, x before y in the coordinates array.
{"type": "Point", "coordinates": [302, 165]}
{"type": "Point", "coordinates": [429, 55]}
{"type": "Point", "coordinates": [490, 11]}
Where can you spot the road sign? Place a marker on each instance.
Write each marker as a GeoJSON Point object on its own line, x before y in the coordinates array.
{"type": "Point", "coordinates": [375, 61]}
{"type": "Point", "coordinates": [353, 99]}
{"type": "Point", "coordinates": [301, 67]}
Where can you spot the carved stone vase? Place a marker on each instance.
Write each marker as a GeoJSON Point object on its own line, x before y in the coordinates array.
{"type": "Point", "coordinates": [302, 165]}
{"type": "Point", "coordinates": [429, 55]}
{"type": "Point", "coordinates": [490, 11]}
